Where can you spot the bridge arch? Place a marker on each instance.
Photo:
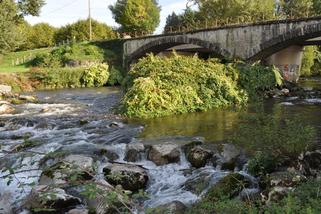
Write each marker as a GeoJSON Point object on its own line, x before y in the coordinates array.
{"type": "Point", "coordinates": [162, 44]}
{"type": "Point", "coordinates": [291, 37]}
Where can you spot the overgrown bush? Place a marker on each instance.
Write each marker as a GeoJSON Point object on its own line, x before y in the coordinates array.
{"type": "Point", "coordinates": [95, 75]}
{"type": "Point", "coordinates": [66, 55]}
{"type": "Point", "coordinates": [163, 86]}
{"type": "Point", "coordinates": [256, 78]}
{"type": "Point", "coordinates": [54, 78]}
{"type": "Point", "coordinates": [115, 77]}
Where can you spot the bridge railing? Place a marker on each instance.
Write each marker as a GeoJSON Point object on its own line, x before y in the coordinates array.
{"type": "Point", "coordinates": [218, 23]}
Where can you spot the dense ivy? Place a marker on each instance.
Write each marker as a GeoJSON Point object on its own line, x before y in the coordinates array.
{"type": "Point", "coordinates": [163, 86]}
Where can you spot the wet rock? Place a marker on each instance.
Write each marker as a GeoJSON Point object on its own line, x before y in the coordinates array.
{"type": "Point", "coordinates": [62, 172]}
{"type": "Point", "coordinates": [49, 198]}
{"type": "Point", "coordinates": [310, 163]}
{"type": "Point", "coordinates": [78, 211]}
{"type": "Point", "coordinates": [175, 207]}
{"type": "Point", "coordinates": [5, 89]}
{"type": "Point", "coordinates": [199, 157]}
{"type": "Point", "coordinates": [162, 154]}
{"type": "Point", "coordinates": [134, 152]}
{"type": "Point", "coordinates": [277, 194]}
{"type": "Point", "coordinates": [100, 205]}
{"type": "Point", "coordinates": [197, 184]}
{"type": "Point", "coordinates": [5, 206]}
{"type": "Point", "coordinates": [116, 125]}
{"type": "Point", "coordinates": [250, 195]}
{"type": "Point", "coordinates": [285, 91]}
{"type": "Point", "coordinates": [130, 177]}
{"type": "Point", "coordinates": [231, 158]}
{"type": "Point", "coordinates": [229, 186]}
{"type": "Point", "coordinates": [110, 155]}
{"type": "Point", "coordinates": [28, 98]}
{"type": "Point", "coordinates": [6, 109]}
{"type": "Point", "coordinates": [81, 161]}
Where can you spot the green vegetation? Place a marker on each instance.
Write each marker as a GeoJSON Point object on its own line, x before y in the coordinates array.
{"type": "Point", "coordinates": [278, 141]}
{"type": "Point", "coordinates": [163, 86]}
{"type": "Point", "coordinates": [78, 32]}
{"type": "Point", "coordinates": [305, 199]}
{"type": "Point", "coordinates": [141, 16]}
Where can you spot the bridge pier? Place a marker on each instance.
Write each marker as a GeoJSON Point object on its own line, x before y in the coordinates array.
{"type": "Point", "coordinates": [288, 61]}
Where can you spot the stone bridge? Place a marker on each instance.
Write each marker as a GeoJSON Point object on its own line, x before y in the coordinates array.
{"type": "Point", "coordinates": [278, 42]}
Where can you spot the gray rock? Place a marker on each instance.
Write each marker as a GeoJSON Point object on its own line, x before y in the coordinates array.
{"type": "Point", "coordinates": [134, 152]}
{"type": "Point", "coordinates": [197, 184]}
{"type": "Point", "coordinates": [129, 176]}
{"type": "Point", "coordinates": [199, 157]}
{"type": "Point", "coordinates": [6, 109]}
{"type": "Point", "coordinates": [78, 211]}
{"type": "Point", "coordinates": [231, 158]}
{"type": "Point", "coordinates": [162, 154]}
{"type": "Point", "coordinates": [81, 161]}
{"type": "Point", "coordinates": [310, 163]}
{"type": "Point", "coordinates": [277, 194]}
{"type": "Point", "coordinates": [45, 197]}
{"type": "Point", "coordinates": [286, 179]}
{"type": "Point", "coordinates": [250, 195]}
{"type": "Point", "coordinates": [5, 89]}
{"type": "Point", "coordinates": [175, 207]}
{"type": "Point", "coordinates": [28, 98]}
{"type": "Point", "coordinates": [5, 206]}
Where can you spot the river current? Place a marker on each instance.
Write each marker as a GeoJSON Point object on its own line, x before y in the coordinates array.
{"type": "Point", "coordinates": [82, 120]}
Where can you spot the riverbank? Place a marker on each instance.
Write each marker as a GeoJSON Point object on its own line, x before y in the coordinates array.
{"type": "Point", "coordinates": [77, 127]}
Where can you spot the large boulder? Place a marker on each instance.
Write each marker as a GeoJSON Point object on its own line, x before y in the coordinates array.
{"type": "Point", "coordinates": [6, 109]}
{"type": "Point", "coordinates": [101, 203]}
{"type": "Point", "coordinates": [231, 158]}
{"type": "Point", "coordinates": [129, 176]}
{"type": "Point", "coordinates": [71, 168]}
{"type": "Point", "coordinates": [228, 187]}
{"type": "Point", "coordinates": [163, 154]}
{"type": "Point", "coordinates": [286, 179]}
{"type": "Point", "coordinates": [277, 194]}
{"type": "Point", "coordinates": [198, 183]}
{"type": "Point", "coordinates": [310, 163]}
{"type": "Point", "coordinates": [27, 98]}
{"type": "Point", "coordinates": [175, 207]}
{"type": "Point", "coordinates": [46, 199]}
{"type": "Point", "coordinates": [198, 157]}
{"type": "Point", "coordinates": [134, 152]}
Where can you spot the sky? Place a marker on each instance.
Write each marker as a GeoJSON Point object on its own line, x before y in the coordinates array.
{"type": "Point", "coordinates": [62, 12]}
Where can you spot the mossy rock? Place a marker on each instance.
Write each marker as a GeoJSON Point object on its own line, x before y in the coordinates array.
{"type": "Point", "coordinates": [228, 187]}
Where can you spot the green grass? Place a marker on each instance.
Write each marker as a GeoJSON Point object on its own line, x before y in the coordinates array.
{"type": "Point", "coordinates": [6, 61]}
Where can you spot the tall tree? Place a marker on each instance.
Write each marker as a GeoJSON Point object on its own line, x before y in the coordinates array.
{"type": "Point", "coordinates": [136, 15]}
{"type": "Point", "coordinates": [297, 8]}
{"type": "Point", "coordinates": [11, 13]}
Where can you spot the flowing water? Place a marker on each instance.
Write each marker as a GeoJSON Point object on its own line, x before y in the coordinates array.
{"type": "Point", "coordinates": [81, 121]}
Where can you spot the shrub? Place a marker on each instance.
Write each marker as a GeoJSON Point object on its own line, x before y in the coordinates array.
{"type": "Point", "coordinates": [256, 79]}
{"type": "Point", "coordinates": [162, 86]}
{"type": "Point", "coordinates": [95, 75]}
{"type": "Point", "coordinates": [115, 77]}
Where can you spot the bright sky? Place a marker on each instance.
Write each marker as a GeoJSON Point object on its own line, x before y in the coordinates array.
{"type": "Point", "coordinates": [61, 12]}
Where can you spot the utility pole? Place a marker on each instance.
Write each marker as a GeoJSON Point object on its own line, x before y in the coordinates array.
{"type": "Point", "coordinates": [89, 17]}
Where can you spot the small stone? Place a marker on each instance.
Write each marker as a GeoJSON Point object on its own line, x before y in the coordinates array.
{"type": "Point", "coordinates": [5, 89]}
{"type": "Point", "coordinates": [129, 176]}
{"type": "Point", "coordinates": [277, 194]}
{"type": "Point", "coordinates": [134, 152]}
{"type": "Point", "coordinates": [80, 161]}
{"type": "Point", "coordinates": [198, 156]}
{"type": "Point", "coordinates": [162, 154]}
{"type": "Point", "coordinates": [27, 98]}
{"type": "Point", "coordinates": [6, 109]}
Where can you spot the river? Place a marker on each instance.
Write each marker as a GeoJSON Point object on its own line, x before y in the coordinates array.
{"type": "Point", "coordinates": [82, 119]}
